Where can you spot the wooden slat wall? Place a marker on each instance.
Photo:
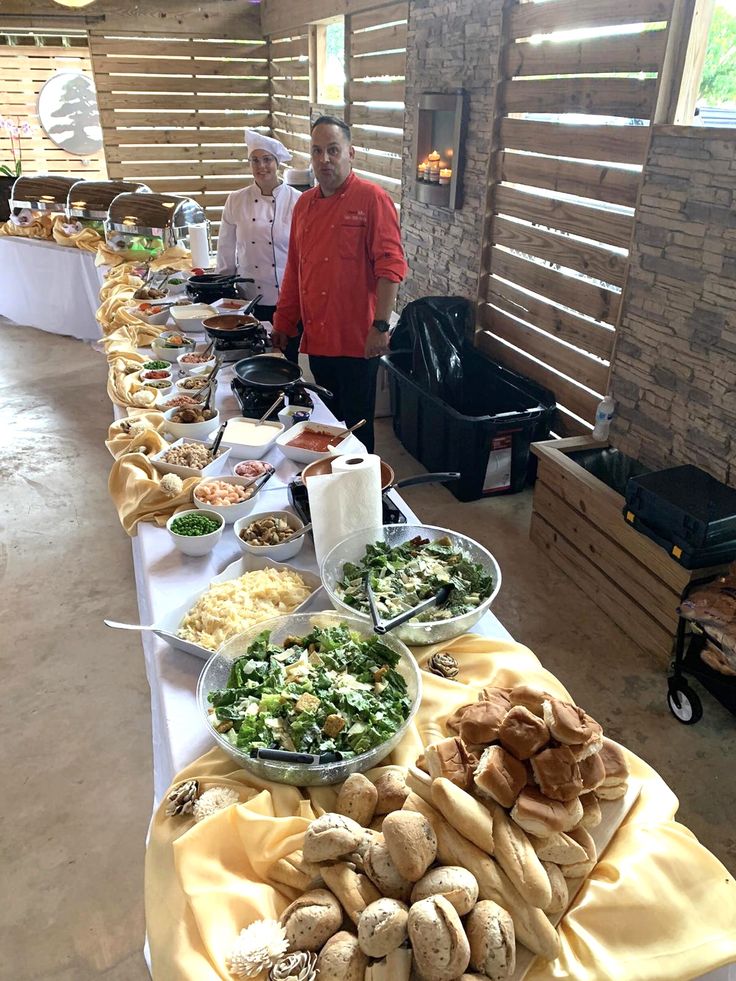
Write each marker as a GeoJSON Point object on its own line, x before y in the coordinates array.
{"type": "Point", "coordinates": [563, 197]}
{"type": "Point", "coordinates": [23, 71]}
{"type": "Point", "coordinates": [376, 47]}
{"type": "Point", "coordinates": [174, 108]}
{"type": "Point", "coordinates": [289, 74]}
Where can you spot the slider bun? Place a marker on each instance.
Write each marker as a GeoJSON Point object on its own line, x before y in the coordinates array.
{"type": "Point", "coordinates": [450, 758]}
{"type": "Point", "coordinates": [481, 721]}
{"type": "Point", "coordinates": [500, 776]}
{"type": "Point", "coordinates": [522, 733]}
{"type": "Point", "coordinates": [557, 773]}
{"type": "Point", "coordinates": [542, 816]}
{"type": "Point", "coordinates": [592, 771]}
{"type": "Point", "coordinates": [591, 811]}
{"type": "Point", "coordinates": [568, 723]}
{"type": "Point", "coordinates": [614, 762]}
{"type": "Point", "coordinates": [453, 721]}
{"type": "Point", "coordinates": [530, 697]}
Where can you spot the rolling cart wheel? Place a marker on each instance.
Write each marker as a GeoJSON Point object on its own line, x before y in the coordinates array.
{"type": "Point", "coordinates": [684, 703]}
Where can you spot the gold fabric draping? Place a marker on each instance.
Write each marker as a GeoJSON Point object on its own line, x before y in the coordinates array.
{"type": "Point", "coordinates": [40, 227]}
{"type": "Point", "coordinates": [87, 240]}
{"type": "Point", "coordinates": [657, 907]}
{"type": "Point", "coordinates": [119, 438]}
{"type": "Point", "coordinates": [135, 484]}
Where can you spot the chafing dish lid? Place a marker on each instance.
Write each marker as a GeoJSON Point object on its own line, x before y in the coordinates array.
{"type": "Point", "coordinates": [150, 214]}
{"type": "Point", "coordinates": [91, 199]}
{"type": "Point", "coordinates": [42, 192]}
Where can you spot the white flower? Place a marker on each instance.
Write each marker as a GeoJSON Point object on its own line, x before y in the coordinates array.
{"type": "Point", "coordinates": [172, 484]}
{"type": "Point", "coordinates": [257, 947]}
{"type": "Point", "coordinates": [213, 800]}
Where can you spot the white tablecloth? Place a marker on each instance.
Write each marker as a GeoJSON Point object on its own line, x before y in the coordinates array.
{"type": "Point", "coordinates": [49, 286]}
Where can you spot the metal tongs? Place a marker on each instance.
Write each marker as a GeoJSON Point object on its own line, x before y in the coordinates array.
{"type": "Point", "coordinates": [383, 626]}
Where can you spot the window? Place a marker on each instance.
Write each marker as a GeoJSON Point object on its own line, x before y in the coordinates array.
{"type": "Point", "coordinates": [716, 103]}
{"type": "Point", "coordinates": [331, 62]}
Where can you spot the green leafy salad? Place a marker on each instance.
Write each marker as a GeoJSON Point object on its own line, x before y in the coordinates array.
{"type": "Point", "coordinates": [403, 576]}
{"type": "Point", "coordinates": [330, 691]}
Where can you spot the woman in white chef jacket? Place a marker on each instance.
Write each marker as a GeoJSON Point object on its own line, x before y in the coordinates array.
{"type": "Point", "coordinates": [254, 234]}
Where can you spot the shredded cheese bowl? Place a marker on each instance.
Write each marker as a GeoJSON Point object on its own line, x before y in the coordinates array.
{"type": "Point", "coordinates": [301, 770]}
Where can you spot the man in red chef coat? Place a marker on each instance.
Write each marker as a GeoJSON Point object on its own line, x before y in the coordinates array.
{"type": "Point", "coordinates": [343, 270]}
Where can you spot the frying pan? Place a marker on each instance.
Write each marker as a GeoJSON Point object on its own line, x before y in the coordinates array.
{"type": "Point", "coordinates": [388, 477]}
{"type": "Point", "coordinates": [269, 372]}
{"type": "Point", "coordinates": [230, 326]}
{"type": "Point", "coordinates": [213, 286]}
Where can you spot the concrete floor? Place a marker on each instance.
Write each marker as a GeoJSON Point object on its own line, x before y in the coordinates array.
{"type": "Point", "coordinates": [75, 704]}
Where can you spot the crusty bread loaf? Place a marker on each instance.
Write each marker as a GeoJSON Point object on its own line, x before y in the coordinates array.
{"type": "Point", "coordinates": [559, 848]}
{"type": "Point", "coordinates": [354, 890]}
{"type": "Point", "coordinates": [464, 812]}
{"type": "Point", "coordinates": [560, 894]}
{"type": "Point", "coordinates": [516, 856]}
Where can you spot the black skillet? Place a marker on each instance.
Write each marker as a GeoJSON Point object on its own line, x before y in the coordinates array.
{"type": "Point", "coordinates": [269, 372]}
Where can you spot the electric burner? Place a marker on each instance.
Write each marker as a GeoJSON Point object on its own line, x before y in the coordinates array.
{"type": "Point", "coordinates": [392, 514]}
{"type": "Point", "coordinates": [253, 401]}
{"type": "Point", "coordinates": [257, 342]}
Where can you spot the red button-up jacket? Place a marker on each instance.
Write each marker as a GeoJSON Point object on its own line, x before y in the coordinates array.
{"type": "Point", "coordinates": [339, 246]}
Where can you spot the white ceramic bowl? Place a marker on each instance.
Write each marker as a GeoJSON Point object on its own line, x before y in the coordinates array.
{"type": "Point", "coordinates": [177, 289]}
{"type": "Point", "coordinates": [280, 553]}
{"type": "Point", "coordinates": [145, 373]}
{"type": "Point", "coordinates": [182, 389]}
{"type": "Point", "coordinates": [195, 544]}
{"type": "Point", "coordinates": [249, 451]}
{"type": "Point", "coordinates": [230, 512]}
{"type": "Point", "coordinates": [158, 319]}
{"type": "Point", "coordinates": [192, 430]}
{"type": "Point", "coordinates": [195, 368]}
{"type": "Point", "coordinates": [235, 463]}
{"type": "Point", "coordinates": [169, 353]}
{"type": "Point", "coordinates": [212, 468]}
{"type": "Point", "coordinates": [189, 318]}
{"type": "Point", "coordinates": [300, 455]}
{"type": "Point", "coordinates": [162, 391]}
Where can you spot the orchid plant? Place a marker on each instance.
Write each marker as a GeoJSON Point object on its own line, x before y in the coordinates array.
{"type": "Point", "coordinates": [14, 130]}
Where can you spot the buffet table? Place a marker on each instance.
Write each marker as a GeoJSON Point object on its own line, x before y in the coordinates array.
{"type": "Point", "coordinates": [50, 287]}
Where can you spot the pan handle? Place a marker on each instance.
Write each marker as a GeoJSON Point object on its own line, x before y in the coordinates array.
{"type": "Point", "coordinates": [324, 392]}
{"type": "Point", "coordinates": [426, 478]}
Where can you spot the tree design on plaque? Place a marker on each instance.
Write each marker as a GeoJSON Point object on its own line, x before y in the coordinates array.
{"type": "Point", "coordinates": [67, 108]}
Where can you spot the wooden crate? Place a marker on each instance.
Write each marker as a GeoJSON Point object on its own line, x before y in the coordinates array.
{"type": "Point", "coordinates": [578, 521]}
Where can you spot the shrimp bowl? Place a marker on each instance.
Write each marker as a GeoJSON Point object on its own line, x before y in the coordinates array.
{"type": "Point", "coordinates": [230, 497]}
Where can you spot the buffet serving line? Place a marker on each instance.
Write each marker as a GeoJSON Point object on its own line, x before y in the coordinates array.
{"type": "Point", "coordinates": [504, 836]}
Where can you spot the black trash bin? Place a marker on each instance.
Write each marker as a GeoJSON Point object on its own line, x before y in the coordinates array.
{"type": "Point", "coordinates": [485, 437]}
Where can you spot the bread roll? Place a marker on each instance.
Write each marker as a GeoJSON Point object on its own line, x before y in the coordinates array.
{"type": "Point", "coordinates": [411, 843]}
{"type": "Point", "coordinates": [530, 697]}
{"type": "Point", "coordinates": [330, 837]}
{"type": "Point", "coordinates": [392, 791]}
{"type": "Point", "coordinates": [311, 920]}
{"type": "Point", "coordinates": [464, 812]}
{"type": "Point", "coordinates": [457, 885]}
{"type": "Point", "coordinates": [591, 811]}
{"type": "Point", "coordinates": [395, 966]}
{"type": "Point", "coordinates": [449, 758]}
{"type": "Point", "coordinates": [354, 890]}
{"type": "Point", "coordinates": [557, 773]}
{"type": "Point", "coordinates": [568, 723]}
{"type": "Point", "coordinates": [592, 772]}
{"type": "Point", "coordinates": [582, 869]}
{"type": "Point", "coordinates": [540, 815]}
{"type": "Point", "coordinates": [560, 895]}
{"type": "Point", "coordinates": [438, 940]}
{"type": "Point", "coordinates": [516, 856]}
{"type": "Point", "coordinates": [480, 722]}
{"type": "Point", "coordinates": [500, 776]}
{"type": "Point", "coordinates": [382, 927]}
{"type": "Point", "coordinates": [522, 733]}
{"type": "Point", "coordinates": [357, 799]}
{"type": "Point", "coordinates": [384, 875]}
{"type": "Point", "coordinates": [453, 721]}
{"type": "Point", "coordinates": [341, 959]}
{"type": "Point", "coordinates": [617, 771]}
{"type": "Point", "coordinates": [558, 848]}
{"type": "Point", "coordinates": [492, 943]}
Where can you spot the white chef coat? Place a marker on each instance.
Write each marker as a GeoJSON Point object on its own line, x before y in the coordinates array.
{"type": "Point", "coordinates": [254, 238]}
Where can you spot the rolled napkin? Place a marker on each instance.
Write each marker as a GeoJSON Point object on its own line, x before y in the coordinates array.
{"type": "Point", "coordinates": [40, 227]}
{"type": "Point", "coordinates": [122, 435]}
{"type": "Point", "coordinates": [345, 501]}
{"type": "Point", "coordinates": [136, 486]}
{"type": "Point", "coordinates": [86, 239]}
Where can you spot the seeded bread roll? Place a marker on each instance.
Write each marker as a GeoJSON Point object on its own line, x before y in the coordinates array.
{"type": "Point", "coordinates": [357, 799]}
{"type": "Point", "coordinates": [441, 948]}
{"type": "Point", "coordinates": [392, 792]}
{"type": "Point", "coordinates": [500, 776]}
{"type": "Point", "coordinates": [382, 927]}
{"type": "Point", "coordinates": [516, 856]}
{"type": "Point", "coordinates": [354, 890]}
{"type": "Point", "coordinates": [411, 843]}
{"type": "Point", "coordinates": [395, 966]}
{"type": "Point", "coordinates": [457, 885]}
{"type": "Point", "coordinates": [341, 959]}
{"type": "Point", "coordinates": [557, 773]}
{"type": "Point", "coordinates": [490, 932]}
{"type": "Point", "coordinates": [522, 733]}
{"type": "Point", "coordinates": [464, 812]}
{"type": "Point", "coordinates": [384, 875]}
{"type": "Point", "coordinates": [311, 920]}
{"type": "Point", "coordinates": [330, 837]}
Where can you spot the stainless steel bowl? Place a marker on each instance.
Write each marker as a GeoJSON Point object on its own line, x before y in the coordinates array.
{"type": "Point", "coordinates": [215, 675]}
{"type": "Point", "coordinates": [412, 632]}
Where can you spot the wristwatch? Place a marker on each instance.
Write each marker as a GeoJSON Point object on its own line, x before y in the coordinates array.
{"type": "Point", "coordinates": [382, 325]}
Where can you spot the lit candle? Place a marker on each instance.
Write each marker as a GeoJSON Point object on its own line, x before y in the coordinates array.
{"type": "Point", "coordinates": [422, 172]}
{"type": "Point", "coordinates": [445, 175]}
{"type": "Point", "coordinates": [433, 170]}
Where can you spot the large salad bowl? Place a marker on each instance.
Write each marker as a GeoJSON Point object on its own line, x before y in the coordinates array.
{"type": "Point", "coordinates": [413, 632]}
{"type": "Point", "coordinates": [215, 676]}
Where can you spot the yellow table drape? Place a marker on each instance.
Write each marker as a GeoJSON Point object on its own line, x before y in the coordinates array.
{"type": "Point", "coordinates": [87, 240]}
{"type": "Point", "coordinates": [657, 907]}
{"type": "Point", "coordinates": [40, 227]}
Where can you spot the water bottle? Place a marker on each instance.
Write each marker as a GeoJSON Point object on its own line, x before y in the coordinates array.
{"type": "Point", "coordinates": [603, 416]}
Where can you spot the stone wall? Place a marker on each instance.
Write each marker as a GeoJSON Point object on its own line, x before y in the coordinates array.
{"type": "Point", "coordinates": [674, 370]}
{"type": "Point", "coordinates": [451, 44]}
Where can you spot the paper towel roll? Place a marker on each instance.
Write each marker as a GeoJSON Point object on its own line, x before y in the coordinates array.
{"type": "Point", "coordinates": [344, 501]}
{"type": "Point", "coordinates": [357, 461]}
{"type": "Point", "coordinates": [199, 245]}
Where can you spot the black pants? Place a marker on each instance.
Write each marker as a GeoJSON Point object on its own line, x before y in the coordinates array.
{"type": "Point", "coordinates": [352, 382]}
{"type": "Point", "coordinates": [292, 348]}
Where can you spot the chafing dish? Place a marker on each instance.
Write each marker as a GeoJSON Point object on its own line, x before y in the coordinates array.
{"type": "Point", "coordinates": [89, 201]}
{"type": "Point", "coordinates": [42, 192]}
{"type": "Point", "coordinates": [149, 223]}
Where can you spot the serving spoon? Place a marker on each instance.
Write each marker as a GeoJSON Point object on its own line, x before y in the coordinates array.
{"type": "Point", "coordinates": [346, 432]}
{"type": "Point", "coordinates": [140, 627]}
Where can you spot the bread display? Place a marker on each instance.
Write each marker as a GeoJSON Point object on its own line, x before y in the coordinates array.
{"type": "Point", "coordinates": [357, 799]}
{"type": "Point", "coordinates": [411, 843]}
{"type": "Point", "coordinates": [457, 885]}
{"type": "Point", "coordinates": [438, 940]}
{"type": "Point", "coordinates": [382, 927]}
{"type": "Point", "coordinates": [331, 837]}
{"type": "Point", "coordinates": [491, 938]}
{"type": "Point", "coordinates": [311, 920]}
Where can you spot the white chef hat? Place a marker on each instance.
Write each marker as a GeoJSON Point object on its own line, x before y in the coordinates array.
{"type": "Point", "coordinates": [257, 141]}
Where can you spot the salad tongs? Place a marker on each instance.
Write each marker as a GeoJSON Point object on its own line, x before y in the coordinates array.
{"type": "Point", "coordinates": [383, 626]}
